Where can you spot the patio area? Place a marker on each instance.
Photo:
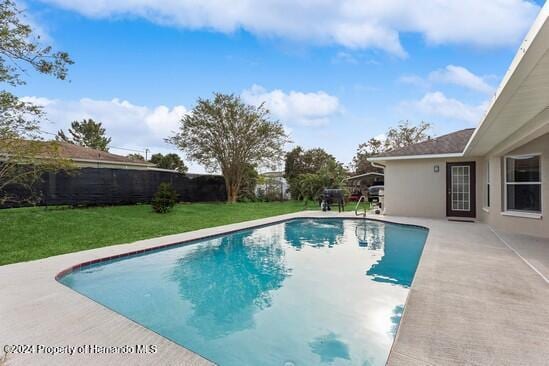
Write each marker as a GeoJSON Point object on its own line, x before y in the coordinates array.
{"type": "Point", "coordinates": [478, 297]}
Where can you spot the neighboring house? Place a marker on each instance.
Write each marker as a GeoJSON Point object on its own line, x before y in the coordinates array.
{"type": "Point", "coordinates": [273, 185]}
{"type": "Point", "coordinates": [497, 173]}
{"type": "Point", "coordinates": [84, 157]}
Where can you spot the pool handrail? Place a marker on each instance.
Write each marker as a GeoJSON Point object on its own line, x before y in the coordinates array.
{"type": "Point", "coordinates": [357, 205]}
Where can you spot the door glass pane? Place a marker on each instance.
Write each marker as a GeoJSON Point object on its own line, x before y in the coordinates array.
{"type": "Point", "coordinates": [460, 188]}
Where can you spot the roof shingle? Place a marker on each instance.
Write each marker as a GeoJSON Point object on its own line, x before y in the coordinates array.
{"type": "Point", "coordinates": [454, 142]}
{"type": "Point", "coordinates": [76, 152]}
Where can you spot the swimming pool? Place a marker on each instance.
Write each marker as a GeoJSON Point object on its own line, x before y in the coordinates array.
{"type": "Point", "coordinates": [300, 292]}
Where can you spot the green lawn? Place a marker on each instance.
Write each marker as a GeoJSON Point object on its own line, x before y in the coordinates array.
{"type": "Point", "coordinates": [33, 233]}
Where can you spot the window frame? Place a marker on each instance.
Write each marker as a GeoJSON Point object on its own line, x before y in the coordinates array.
{"type": "Point", "coordinates": [487, 186]}
{"type": "Point", "coordinates": [522, 213]}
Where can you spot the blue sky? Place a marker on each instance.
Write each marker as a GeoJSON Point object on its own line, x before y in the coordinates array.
{"type": "Point", "coordinates": [335, 73]}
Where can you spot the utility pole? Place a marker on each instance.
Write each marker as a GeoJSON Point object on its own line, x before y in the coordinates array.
{"type": "Point", "coordinates": [147, 151]}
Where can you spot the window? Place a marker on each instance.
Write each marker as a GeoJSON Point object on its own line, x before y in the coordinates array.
{"type": "Point", "coordinates": [523, 183]}
{"type": "Point", "coordinates": [487, 193]}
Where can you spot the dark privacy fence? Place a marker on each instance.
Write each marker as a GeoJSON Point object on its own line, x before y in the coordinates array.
{"type": "Point", "coordinates": [91, 186]}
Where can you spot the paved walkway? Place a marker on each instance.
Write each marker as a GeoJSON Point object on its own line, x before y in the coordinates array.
{"type": "Point", "coordinates": [474, 301]}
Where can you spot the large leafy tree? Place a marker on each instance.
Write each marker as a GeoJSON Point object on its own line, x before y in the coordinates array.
{"type": "Point", "coordinates": [405, 134]}
{"type": "Point", "coordinates": [360, 160]}
{"type": "Point", "coordinates": [136, 157]}
{"type": "Point", "coordinates": [87, 133]}
{"type": "Point", "coordinates": [309, 186]}
{"type": "Point", "coordinates": [225, 134]}
{"type": "Point", "coordinates": [23, 157]}
{"type": "Point", "coordinates": [306, 166]}
{"type": "Point", "coordinates": [169, 161]}
{"type": "Point", "coordinates": [299, 161]}
{"type": "Point", "coordinates": [402, 135]}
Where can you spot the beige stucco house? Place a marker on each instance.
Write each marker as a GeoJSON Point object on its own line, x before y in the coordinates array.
{"type": "Point", "coordinates": [497, 173]}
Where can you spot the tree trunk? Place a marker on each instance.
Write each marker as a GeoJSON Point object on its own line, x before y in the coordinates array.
{"type": "Point", "coordinates": [233, 193]}
{"type": "Point", "coordinates": [232, 190]}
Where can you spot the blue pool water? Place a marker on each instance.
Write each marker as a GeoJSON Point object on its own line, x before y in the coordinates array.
{"type": "Point", "coordinates": [302, 292]}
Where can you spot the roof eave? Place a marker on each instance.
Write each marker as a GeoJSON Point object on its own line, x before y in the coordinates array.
{"type": "Point", "coordinates": [113, 162]}
{"type": "Point", "coordinates": [416, 157]}
{"type": "Point", "coordinates": [505, 83]}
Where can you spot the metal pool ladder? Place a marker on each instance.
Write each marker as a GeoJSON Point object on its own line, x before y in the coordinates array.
{"type": "Point", "coordinates": [362, 198]}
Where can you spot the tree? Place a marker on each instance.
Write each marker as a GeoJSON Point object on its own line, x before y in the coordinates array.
{"type": "Point", "coordinates": [226, 134]}
{"type": "Point", "coordinates": [136, 157]}
{"type": "Point", "coordinates": [360, 162]}
{"type": "Point", "coordinates": [310, 185]}
{"type": "Point", "coordinates": [396, 137]}
{"type": "Point", "coordinates": [23, 156]}
{"type": "Point", "coordinates": [300, 162]}
{"type": "Point", "coordinates": [405, 134]}
{"type": "Point", "coordinates": [87, 133]}
{"type": "Point", "coordinates": [164, 199]}
{"type": "Point", "coordinates": [169, 161]}
{"type": "Point", "coordinates": [293, 163]}
{"type": "Point", "coordinates": [250, 179]}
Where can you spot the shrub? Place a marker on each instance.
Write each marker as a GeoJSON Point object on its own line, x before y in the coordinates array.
{"type": "Point", "coordinates": [164, 199]}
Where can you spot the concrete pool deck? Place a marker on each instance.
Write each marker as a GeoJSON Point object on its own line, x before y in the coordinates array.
{"type": "Point", "coordinates": [478, 298]}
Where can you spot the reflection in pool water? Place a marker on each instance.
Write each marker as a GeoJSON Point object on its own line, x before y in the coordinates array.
{"type": "Point", "coordinates": [307, 292]}
{"type": "Point", "coordinates": [329, 347]}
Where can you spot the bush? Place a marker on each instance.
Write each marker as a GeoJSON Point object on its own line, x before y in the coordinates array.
{"type": "Point", "coordinates": [164, 199]}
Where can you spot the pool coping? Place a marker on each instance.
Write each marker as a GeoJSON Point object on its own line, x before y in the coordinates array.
{"type": "Point", "coordinates": [85, 264]}
{"type": "Point", "coordinates": [33, 315]}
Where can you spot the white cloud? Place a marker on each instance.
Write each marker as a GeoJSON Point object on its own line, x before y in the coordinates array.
{"type": "Point", "coordinates": [350, 23]}
{"type": "Point", "coordinates": [451, 74]}
{"type": "Point", "coordinates": [310, 109]}
{"type": "Point", "coordinates": [414, 80]}
{"type": "Point", "coordinates": [459, 75]}
{"type": "Point", "coordinates": [436, 104]}
{"type": "Point", "coordinates": [129, 125]}
{"type": "Point", "coordinates": [344, 57]}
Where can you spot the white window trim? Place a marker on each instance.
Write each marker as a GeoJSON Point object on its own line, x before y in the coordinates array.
{"type": "Point", "coordinates": [524, 214]}
{"type": "Point", "coordinates": [520, 213]}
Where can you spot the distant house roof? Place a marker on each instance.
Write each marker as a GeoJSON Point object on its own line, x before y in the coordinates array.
{"type": "Point", "coordinates": [452, 143]}
{"type": "Point", "coordinates": [80, 153]}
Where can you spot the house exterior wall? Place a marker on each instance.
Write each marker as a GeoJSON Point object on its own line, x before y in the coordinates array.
{"type": "Point", "coordinates": [412, 188]}
{"type": "Point", "coordinates": [493, 215]}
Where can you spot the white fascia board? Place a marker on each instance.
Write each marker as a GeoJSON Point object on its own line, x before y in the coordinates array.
{"type": "Point", "coordinates": [145, 165]}
{"type": "Point", "coordinates": [525, 46]}
{"type": "Point", "coordinates": [412, 157]}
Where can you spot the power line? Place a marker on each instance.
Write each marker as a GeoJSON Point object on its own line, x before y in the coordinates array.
{"type": "Point", "coordinates": [144, 151]}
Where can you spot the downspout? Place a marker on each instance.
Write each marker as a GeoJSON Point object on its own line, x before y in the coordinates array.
{"type": "Point", "coordinates": [378, 165]}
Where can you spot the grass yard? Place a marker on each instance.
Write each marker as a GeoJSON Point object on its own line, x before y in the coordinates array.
{"type": "Point", "coordinates": [34, 233]}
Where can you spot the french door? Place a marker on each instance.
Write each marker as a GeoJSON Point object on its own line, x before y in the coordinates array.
{"type": "Point", "coordinates": [461, 189]}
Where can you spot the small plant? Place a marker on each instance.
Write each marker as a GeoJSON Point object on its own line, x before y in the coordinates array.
{"type": "Point", "coordinates": [164, 199]}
